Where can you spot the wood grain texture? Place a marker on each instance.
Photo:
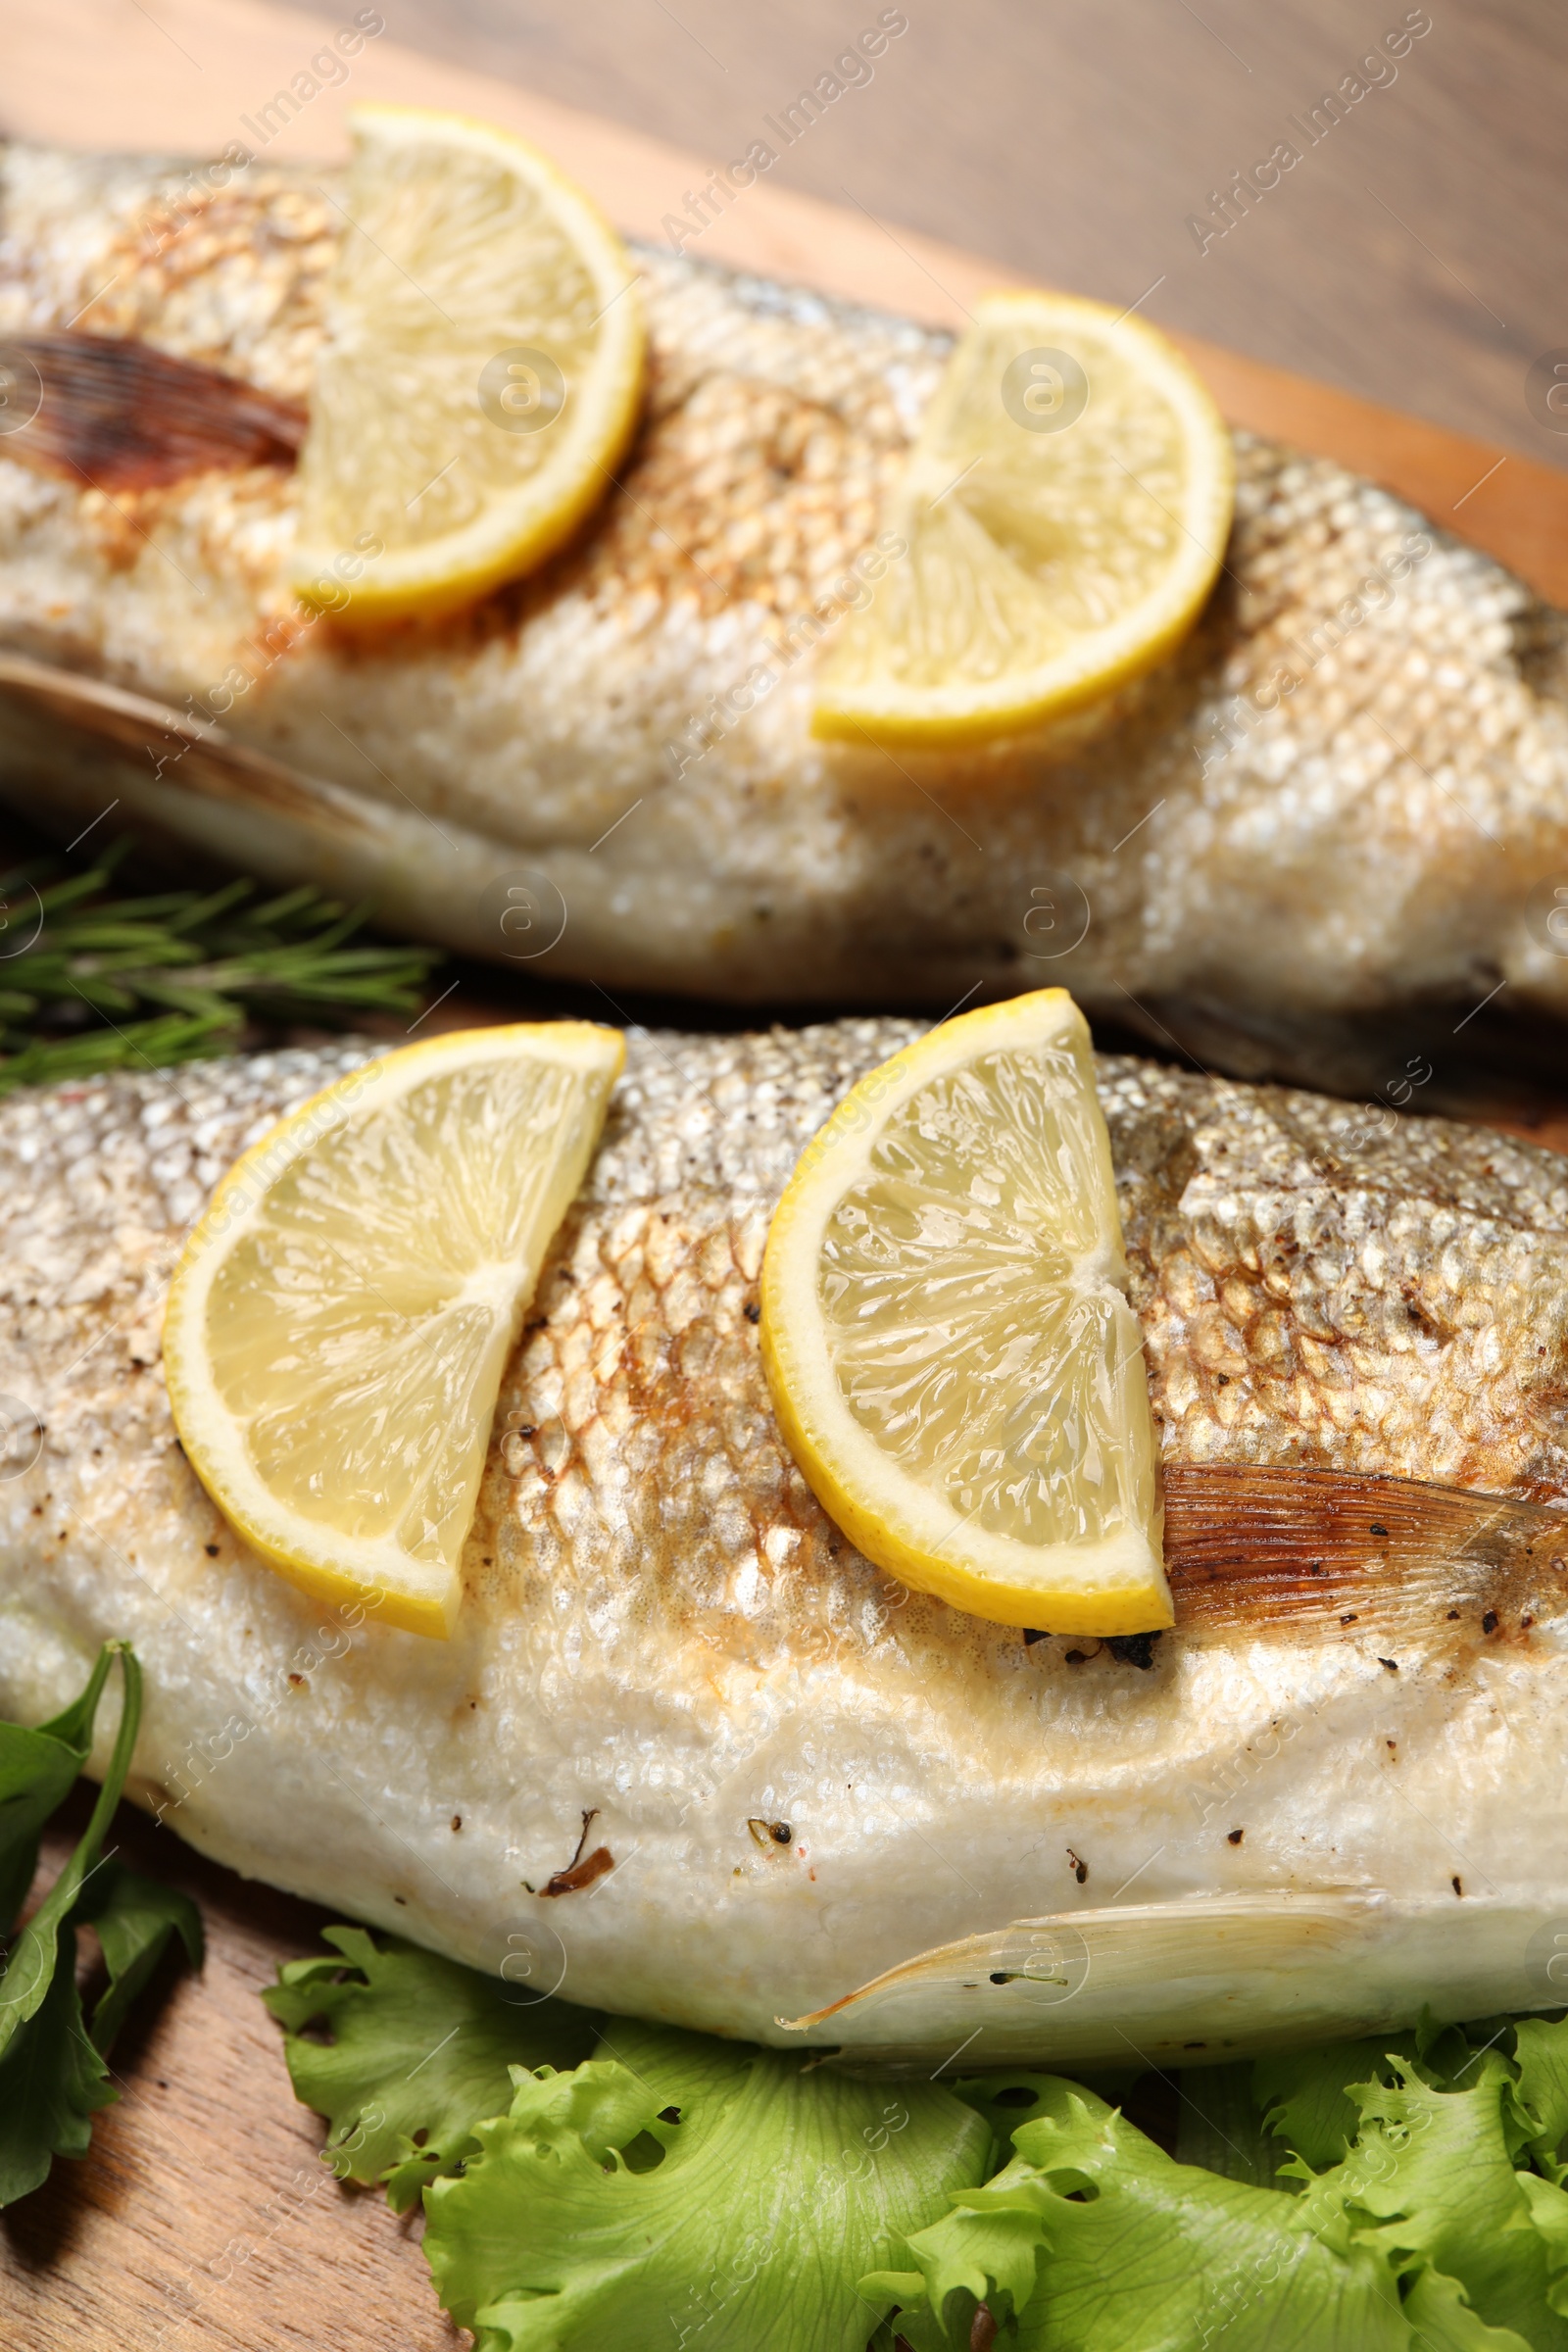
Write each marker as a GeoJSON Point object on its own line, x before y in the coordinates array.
{"type": "Point", "coordinates": [185, 78]}
{"type": "Point", "coordinates": [1072, 144]}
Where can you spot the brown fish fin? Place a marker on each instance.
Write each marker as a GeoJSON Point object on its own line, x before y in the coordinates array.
{"type": "Point", "coordinates": [1274, 1548]}
{"type": "Point", "coordinates": [118, 415]}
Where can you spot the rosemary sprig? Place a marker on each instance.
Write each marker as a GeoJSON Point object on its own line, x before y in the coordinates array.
{"type": "Point", "coordinates": [91, 983]}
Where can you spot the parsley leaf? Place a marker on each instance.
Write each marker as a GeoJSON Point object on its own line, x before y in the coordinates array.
{"type": "Point", "coordinates": [133, 1919]}
{"type": "Point", "coordinates": [52, 2072]}
{"type": "Point", "coordinates": [37, 1770]}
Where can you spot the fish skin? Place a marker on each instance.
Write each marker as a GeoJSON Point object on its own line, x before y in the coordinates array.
{"type": "Point", "coordinates": [666, 1650]}
{"type": "Point", "coordinates": [1278, 876]}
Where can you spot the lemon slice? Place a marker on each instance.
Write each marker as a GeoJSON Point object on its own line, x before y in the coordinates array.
{"type": "Point", "coordinates": [480, 372]}
{"type": "Point", "coordinates": [944, 1330]}
{"type": "Point", "coordinates": [1065, 509]}
{"type": "Point", "coordinates": [338, 1324]}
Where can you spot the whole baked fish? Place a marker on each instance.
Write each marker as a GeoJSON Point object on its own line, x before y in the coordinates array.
{"type": "Point", "coordinates": [690, 1756]}
{"type": "Point", "coordinates": [1331, 828]}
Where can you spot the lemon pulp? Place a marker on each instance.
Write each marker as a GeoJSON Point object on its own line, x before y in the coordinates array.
{"type": "Point", "coordinates": [1065, 509]}
{"type": "Point", "coordinates": [479, 376]}
{"type": "Point", "coordinates": [947, 1338]}
{"type": "Point", "coordinates": [338, 1325]}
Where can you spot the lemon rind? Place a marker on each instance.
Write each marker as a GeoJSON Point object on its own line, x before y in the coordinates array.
{"type": "Point", "coordinates": [376, 1575]}
{"type": "Point", "coordinates": [1113, 1585]}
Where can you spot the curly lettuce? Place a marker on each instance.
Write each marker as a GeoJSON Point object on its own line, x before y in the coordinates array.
{"type": "Point", "coordinates": [1093, 2237]}
{"type": "Point", "coordinates": [417, 2051]}
{"type": "Point", "coordinates": [684, 2188]}
{"type": "Point", "coordinates": [665, 2189]}
{"type": "Point", "coordinates": [589, 2180]}
{"type": "Point", "coordinates": [1419, 2203]}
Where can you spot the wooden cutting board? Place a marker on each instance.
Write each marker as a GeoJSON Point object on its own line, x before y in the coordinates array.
{"type": "Point", "coordinates": [201, 2220]}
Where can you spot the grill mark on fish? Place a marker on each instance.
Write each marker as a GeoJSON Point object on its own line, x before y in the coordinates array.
{"type": "Point", "coordinates": [118, 415]}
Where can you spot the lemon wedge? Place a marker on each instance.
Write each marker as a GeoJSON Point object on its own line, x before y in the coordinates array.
{"type": "Point", "coordinates": [945, 1336]}
{"type": "Point", "coordinates": [337, 1327]}
{"type": "Point", "coordinates": [479, 376]}
{"type": "Point", "coordinates": [1065, 509]}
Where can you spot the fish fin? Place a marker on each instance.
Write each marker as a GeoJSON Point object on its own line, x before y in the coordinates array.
{"type": "Point", "coordinates": [1507, 1055]}
{"type": "Point", "coordinates": [1283, 1548]}
{"type": "Point", "coordinates": [181, 751]}
{"type": "Point", "coordinates": [113, 413]}
{"type": "Point", "coordinates": [1124, 1984]}
{"type": "Point", "coordinates": [77, 750]}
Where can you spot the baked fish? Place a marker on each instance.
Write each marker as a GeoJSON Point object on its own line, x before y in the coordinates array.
{"type": "Point", "coordinates": [1332, 826]}
{"type": "Point", "coordinates": [689, 1756]}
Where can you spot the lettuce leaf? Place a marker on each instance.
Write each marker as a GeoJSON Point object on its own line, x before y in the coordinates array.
{"type": "Point", "coordinates": [1093, 2236]}
{"type": "Point", "coordinates": [677, 2188]}
{"type": "Point", "coordinates": [420, 2052]}
{"type": "Point", "coordinates": [1427, 2141]}
{"type": "Point", "coordinates": [1409, 2216]}
{"type": "Point", "coordinates": [1305, 2094]}
{"type": "Point", "coordinates": [1541, 2053]}
{"type": "Point", "coordinates": [590, 2182]}
{"type": "Point", "coordinates": [1220, 2128]}
{"type": "Point", "coordinates": [1432, 2183]}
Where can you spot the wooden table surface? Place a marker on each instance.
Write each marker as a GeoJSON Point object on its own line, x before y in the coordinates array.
{"type": "Point", "coordinates": [183, 75]}
{"type": "Point", "coordinates": [1071, 150]}
{"type": "Point", "coordinates": [1415, 256]}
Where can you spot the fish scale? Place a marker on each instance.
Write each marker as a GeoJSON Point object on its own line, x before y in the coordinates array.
{"type": "Point", "coordinates": [1322, 837]}
{"type": "Point", "coordinates": [1020, 1837]}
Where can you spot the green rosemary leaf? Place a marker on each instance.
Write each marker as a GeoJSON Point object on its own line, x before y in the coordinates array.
{"type": "Point", "coordinates": [111, 983]}
{"type": "Point", "coordinates": [96, 990]}
{"type": "Point", "coordinates": [278, 910]}
{"type": "Point", "coordinates": [139, 1045]}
